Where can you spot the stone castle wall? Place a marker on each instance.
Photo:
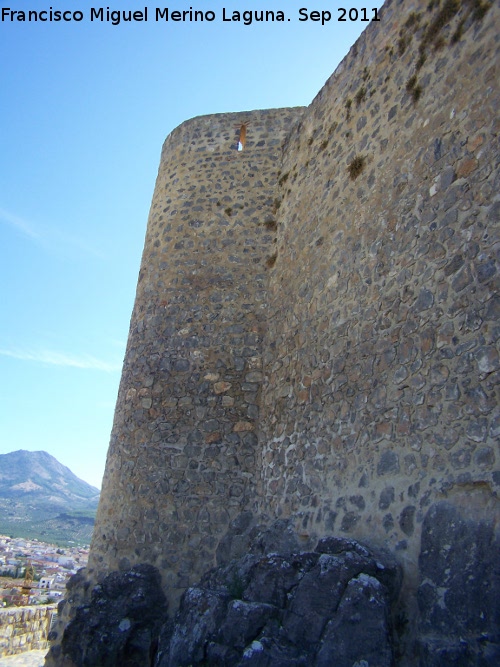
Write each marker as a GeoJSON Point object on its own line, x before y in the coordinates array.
{"type": "Point", "coordinates": [183, 453]}
{"type": "Point", "coordinates": [315, 333]}
{"type": "Point", "coordinates": [24, 628]}
{"type": "Point", "coordinates": [381, 350]}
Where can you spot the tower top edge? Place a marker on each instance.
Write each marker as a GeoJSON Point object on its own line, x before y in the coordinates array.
{"type": "Point", "coordinates": [203, 122]}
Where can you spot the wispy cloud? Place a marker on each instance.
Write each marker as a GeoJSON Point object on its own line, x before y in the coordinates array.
{"type": "Point", "coordinates": [19, 224]}
{"type": "Point", "coordinates": [53, 358]}
{"type": "Point", "coordinates": [50, 238]}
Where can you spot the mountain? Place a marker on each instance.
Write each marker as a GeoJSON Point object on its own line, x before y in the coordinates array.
{"type": "Point", "coordinates": [41, 498]}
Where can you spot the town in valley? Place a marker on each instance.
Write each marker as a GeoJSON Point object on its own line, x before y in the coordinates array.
{"type": "Point", "coordinates": [33, 572]}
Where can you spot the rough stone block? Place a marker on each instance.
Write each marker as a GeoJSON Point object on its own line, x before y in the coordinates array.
{"type": "Point", "coordinates": [460, 582]}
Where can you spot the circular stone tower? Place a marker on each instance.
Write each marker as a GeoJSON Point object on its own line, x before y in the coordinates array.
{"type": "Point", "coordinates": [182, 457]}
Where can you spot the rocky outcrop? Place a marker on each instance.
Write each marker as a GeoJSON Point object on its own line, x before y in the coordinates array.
{"type": "Point", "coordinates": [459, 590]}
{"type": "Point", "coordinates": [328, 606]}
{"type": "Point", "coordinates": [119, 626]}
{"type": "Point", "coordinates": [271, 604]}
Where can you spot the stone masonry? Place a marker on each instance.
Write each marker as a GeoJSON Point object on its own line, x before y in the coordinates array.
{"type": "Point", "coordinates": [183, 455]}
{"type": "Point", "coordinates": [316, 329]}
{"type": "Point", "coordinates": [381, 349]}
{"type": "Point", "coordinates": [24, 628]}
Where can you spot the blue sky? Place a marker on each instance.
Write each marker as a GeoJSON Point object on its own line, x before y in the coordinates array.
{"type": "Point", "coordinates": [84, 110]}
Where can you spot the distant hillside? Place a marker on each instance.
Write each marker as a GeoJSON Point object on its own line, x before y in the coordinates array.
{"type": "Point", "coordinates": [39, 497]}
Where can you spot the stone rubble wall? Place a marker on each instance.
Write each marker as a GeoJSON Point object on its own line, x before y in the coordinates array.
{"type": "Point", "coordinates": [381, 361]}
{"type": "Point", "coordinates": [314, 341]}
{"type": "Point", "coordinates": [24, 628]}
{"type": "Point", "coordinates": [183, 452]}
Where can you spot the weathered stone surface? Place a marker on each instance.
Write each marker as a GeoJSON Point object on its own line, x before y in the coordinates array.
{"type": "Point", "coordinates": [244, 621]}
{"type": "Point", "coordinates": [361, 627]}
{"type": "Point", "coordinates": [301, 609]}
{"type": "Point", "coordinates": [119, 625]}
{"type": "Point", "coordinates": [201, 614]}
{"type": "Point", "coordinates": [190, 391]}
{"type": "Point", "coordinates": [315, 338]}
{"type": "Point", "coordinates": [459, 588]}
{"type": "Point", "coordinates": [24, 629]}
{"type": "Point", "coordinates": [386, 333]}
